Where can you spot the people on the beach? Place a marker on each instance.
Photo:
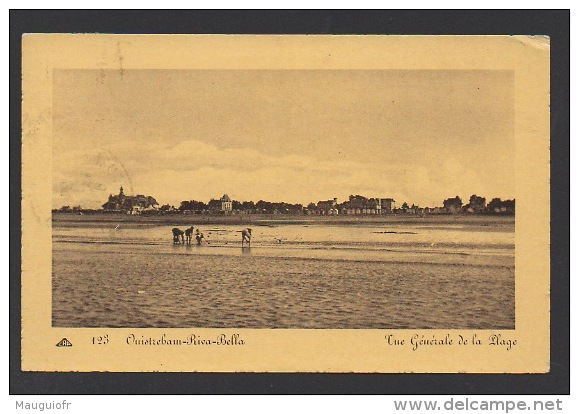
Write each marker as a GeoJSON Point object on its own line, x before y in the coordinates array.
{"type": "Point", "coordinates": [198, 237]}
{"type": "Point", "coordinates": [176, 234]}
{"type": "Point", "coordinates": [246, 237]}
{"type": "Point", "coordinates": [179, 236]}
{"type": "Point", "coordinates": [189, 234]}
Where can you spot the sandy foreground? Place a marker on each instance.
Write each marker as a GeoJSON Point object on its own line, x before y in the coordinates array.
{"type": "Point", "coordinates": [301, 272]}
{"type": "Point", "coordinates": [141, 287]}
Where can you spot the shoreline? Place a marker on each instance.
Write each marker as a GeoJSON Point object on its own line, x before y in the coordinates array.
{"type": "Point", "coordinates": [74, 220]}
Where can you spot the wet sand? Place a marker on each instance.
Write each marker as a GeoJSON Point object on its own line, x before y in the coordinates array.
{"type": "Point", "coordinates": [373, 275]}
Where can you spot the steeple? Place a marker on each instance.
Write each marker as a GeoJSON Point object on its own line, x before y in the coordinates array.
{"type": "Point", "coordinates": [121, 191]}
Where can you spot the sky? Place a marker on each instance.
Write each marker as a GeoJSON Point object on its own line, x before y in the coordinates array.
{"type": "Point", "coordinates": [282, 135]}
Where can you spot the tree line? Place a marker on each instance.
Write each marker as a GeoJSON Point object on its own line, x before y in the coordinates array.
{"type": "Point", "coordinates": [477, 204]}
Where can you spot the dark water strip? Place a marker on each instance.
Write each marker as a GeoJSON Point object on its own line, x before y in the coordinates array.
{"type": "Point", "coordinates": [340, 260]}
{"type": "Point", "coordinates": [309, 244]}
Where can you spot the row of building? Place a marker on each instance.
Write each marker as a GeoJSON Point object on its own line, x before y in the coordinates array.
{"type": "Point", "coordinates": [355, 205]}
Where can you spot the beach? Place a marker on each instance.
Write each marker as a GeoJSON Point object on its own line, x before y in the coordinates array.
{"type": "Point", "coordinates": [302, 272]}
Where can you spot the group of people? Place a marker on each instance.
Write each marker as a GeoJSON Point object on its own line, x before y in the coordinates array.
{"type": "Point", "coordinates": [180, 235]}
{"type": "Point", "coordinates": [185, 237]}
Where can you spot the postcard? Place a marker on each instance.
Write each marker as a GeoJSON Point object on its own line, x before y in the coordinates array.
{"type": "Point", "coordinates": [241, 203]}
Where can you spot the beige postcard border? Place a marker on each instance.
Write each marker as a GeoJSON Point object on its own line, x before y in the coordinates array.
{"type": "Point", "coordinates": [289, 350]}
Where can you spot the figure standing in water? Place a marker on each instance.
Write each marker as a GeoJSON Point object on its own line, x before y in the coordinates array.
{"type": "Point", "coordinates": [189, 234]}
{"type": "Point", "coordinates": [246, 237]}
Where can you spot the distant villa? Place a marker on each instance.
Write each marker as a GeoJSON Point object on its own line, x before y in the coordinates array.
{"type": "Point", "coordinates": [358, 204]}
{"type": "Point", "coordinates": [130, 204]}
{"type": "Point", "coordinates": [223, 205]}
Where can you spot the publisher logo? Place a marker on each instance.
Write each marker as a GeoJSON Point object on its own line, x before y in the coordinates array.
{"type": "Point", "coordinates": [64, 343]}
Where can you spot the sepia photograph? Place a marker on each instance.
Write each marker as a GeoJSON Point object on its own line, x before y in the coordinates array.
{"type": "Point", "coordinates": [285, 204]}
{"type": "Point", "coordinates": [325, 199]}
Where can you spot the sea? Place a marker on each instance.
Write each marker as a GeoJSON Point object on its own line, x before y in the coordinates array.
{"type": "Point", "coordinates": [436, 274]}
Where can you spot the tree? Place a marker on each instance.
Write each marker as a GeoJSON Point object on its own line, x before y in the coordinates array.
{"type": "Point", "coordinates": [495, 203]}
{"type": "Point", "coordinates": [248, 205]}
{"type": "Point", "coordinates": [185, 205]}
{"type": "Point", "coordinates": [510, 206]}
{"type": "Point", "coordinates": [477, 201]}
{"type": "Point", "coordinates": [264, 206]}
{"type": "Point", "coordinates": [190, 205]}
{"type": "Point", "coordinates": [455, 202]}
{"type": "Point", "coordinates": [476, 204]}
{"type": "Point", "coordinates": [295, 207]}
{"type": "Point", "coordinates": [405, 205]}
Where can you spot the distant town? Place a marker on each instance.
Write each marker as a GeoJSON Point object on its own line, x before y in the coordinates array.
{"type": "Point", "coordinates": [355, 205]}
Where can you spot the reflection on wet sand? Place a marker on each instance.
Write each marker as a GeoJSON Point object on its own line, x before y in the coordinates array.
{"type": "Point", "coordinates": [377, 276]}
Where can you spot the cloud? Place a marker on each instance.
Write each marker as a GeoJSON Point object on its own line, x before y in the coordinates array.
{"type": "Point", "coordinates": [297, 136]}
{"type": "Point", "coordinates": [201, 171]}
{"type": "Point", "coordinates": [198, 170]}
